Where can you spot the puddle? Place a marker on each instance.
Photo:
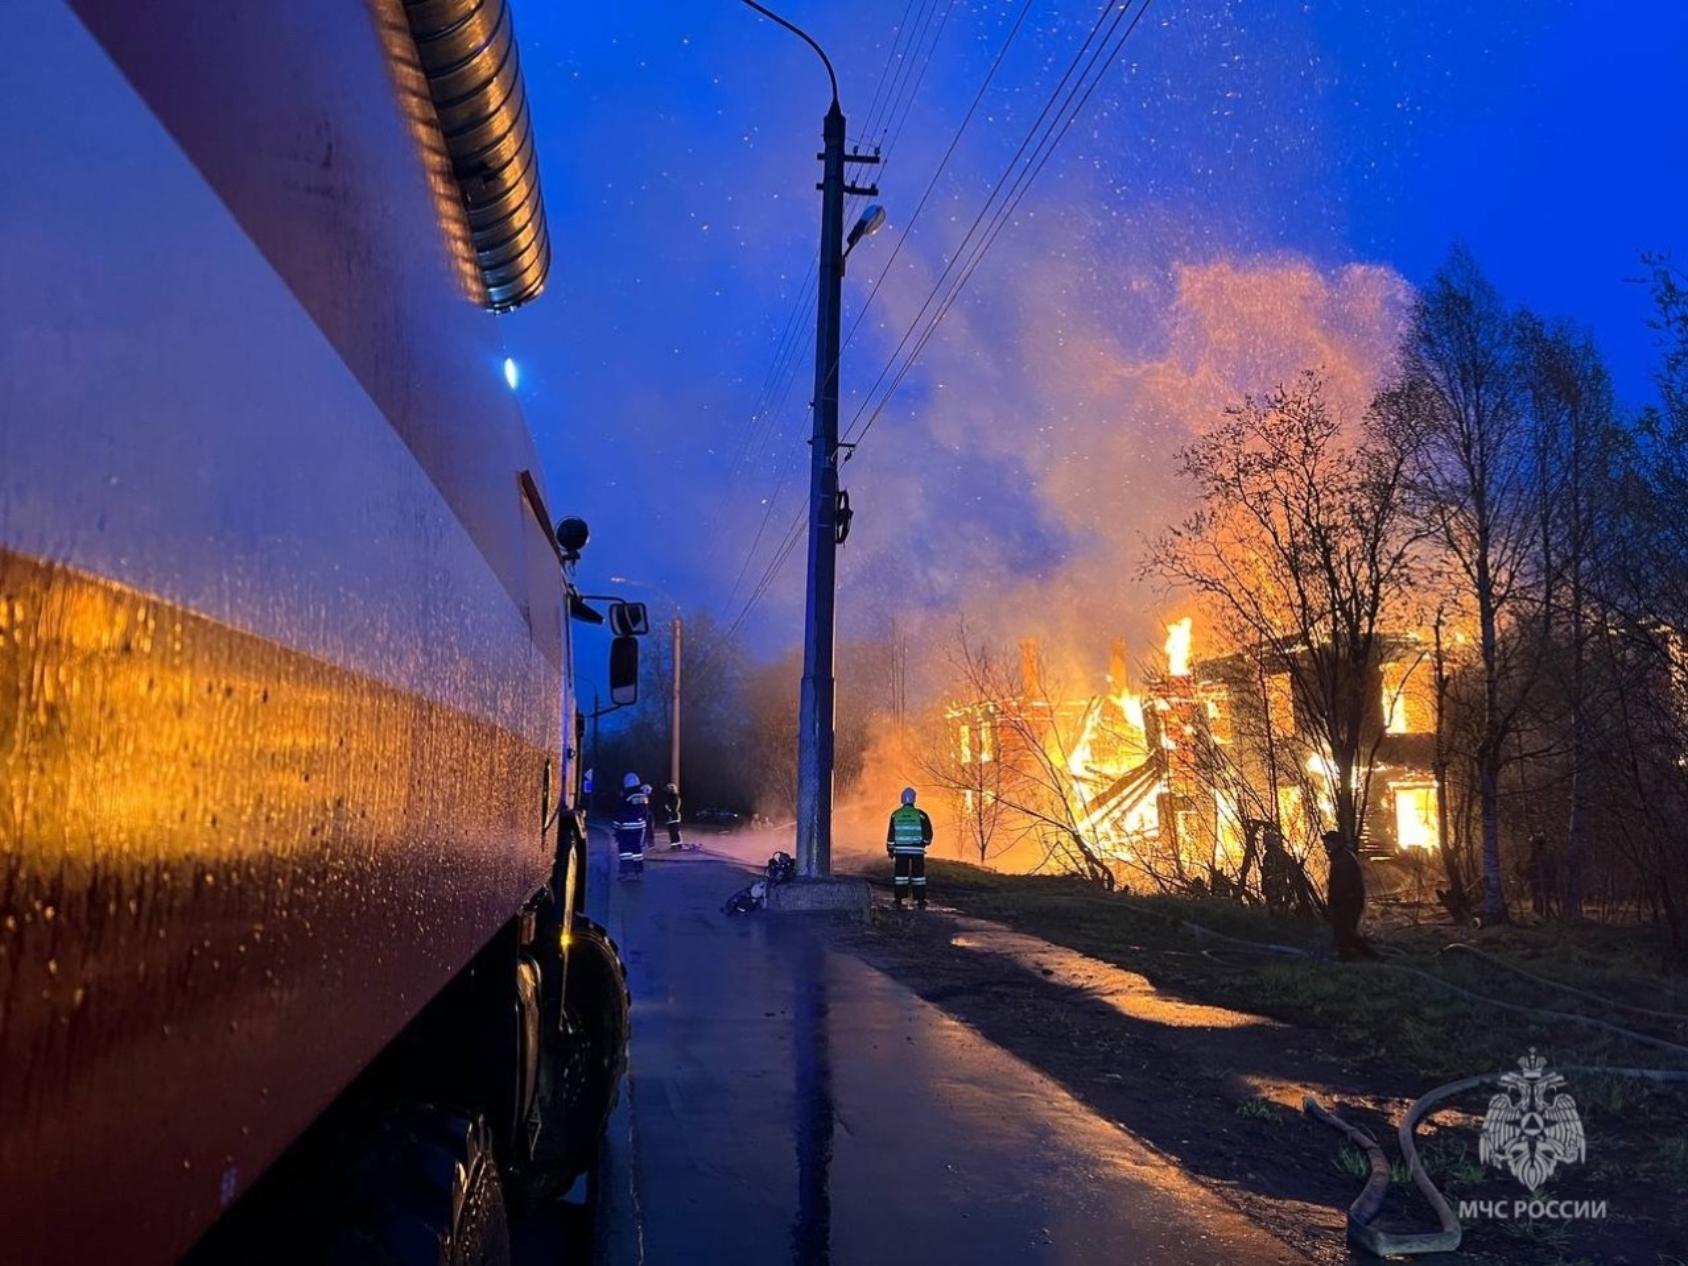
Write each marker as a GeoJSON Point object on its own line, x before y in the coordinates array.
{"type": "Point", "coordinates": [1127, 992]}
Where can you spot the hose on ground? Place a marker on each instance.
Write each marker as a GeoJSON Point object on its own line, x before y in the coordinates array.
{"type": "Point", "coordinates": [1569, 1017]}
{"type": "Point", "coordinates": [1369, 1203]}
{"type": "Point", "coordinates": [1207, 933]}
{"type": "Point", "coordinates": [1461, 947]}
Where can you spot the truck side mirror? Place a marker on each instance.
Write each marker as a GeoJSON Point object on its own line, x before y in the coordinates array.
{"type": "Point", "coordinates": [624, 671]}
{"type": "Point", "coordinates": [628, 619]}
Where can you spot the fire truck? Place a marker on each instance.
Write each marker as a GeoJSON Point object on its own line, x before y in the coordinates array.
{"type": "Point", "coordinates": [294, 958]}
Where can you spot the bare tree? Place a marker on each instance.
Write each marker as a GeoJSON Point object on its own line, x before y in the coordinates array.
{"type": "Point", "coordinates": [1458, 409]}
{"type": "Point", "coordinates": [1302, 549]}
{"type": "Point", "coordinates": [1034, 796]}
{"type": "Point", "coordinates": [1573, 418]}
{"type": "Point", "coordinates": [1643, 633]}
{"type": "Point", "coordinates": [962, 755]}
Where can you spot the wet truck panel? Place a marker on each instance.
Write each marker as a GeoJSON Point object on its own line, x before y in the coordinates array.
{"type": "Point", "coordinates": [280, 635]}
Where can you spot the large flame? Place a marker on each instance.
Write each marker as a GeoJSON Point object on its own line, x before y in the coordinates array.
{"type": "Point", "coordinates": [1178, 648]}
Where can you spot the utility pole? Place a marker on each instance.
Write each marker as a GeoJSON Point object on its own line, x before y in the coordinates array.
{"type": "Point", "coordinates": [815, 702]}
{"type": "Point", "coordinates": [674, 727]}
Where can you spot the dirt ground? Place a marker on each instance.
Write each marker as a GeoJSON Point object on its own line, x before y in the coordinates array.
{"type": "Point", "coordinates": [1207, 1056]}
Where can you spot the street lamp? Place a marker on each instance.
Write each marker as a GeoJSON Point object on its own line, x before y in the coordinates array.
{"type": "Point", "coordinates": [873, 219]}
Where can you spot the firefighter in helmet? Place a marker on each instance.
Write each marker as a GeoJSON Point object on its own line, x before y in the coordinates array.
{"type": "Point", "coordinates": [632, 824]}
{"type": "Point", "coordinates": [906, 840]}
{"type": "Point", "coordinates": [669, 803]}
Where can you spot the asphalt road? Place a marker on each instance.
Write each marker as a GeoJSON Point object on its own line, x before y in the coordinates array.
{"type": "Point", "coordinates": [788, 1104]}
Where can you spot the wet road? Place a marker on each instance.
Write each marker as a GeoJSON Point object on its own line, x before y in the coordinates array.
{"type": "Point", "coordinates": [788, 1104]}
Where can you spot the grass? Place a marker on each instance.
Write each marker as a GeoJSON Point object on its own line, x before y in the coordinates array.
{"type": "Point", "coordinates": [1353, 1162]}
{"type": "Point", "coordinates": [1356, 1164]}
{"type": "Point", "coordinates": [1670, 1161]}
{"type": "Point", "coordinates": [1260, 1110]}
{"type": "Point", "coordinates": [1382, 1013]}
{"type": "Point", "coordinates": [1405, 1032]}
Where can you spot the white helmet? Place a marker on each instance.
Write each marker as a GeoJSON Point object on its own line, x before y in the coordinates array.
{"type": "Point", "coordinates": [629, 781]}
{"type": "Point", "coordinates": [908, 795]}
{"type": "Point", "coordinates": [672, 788]}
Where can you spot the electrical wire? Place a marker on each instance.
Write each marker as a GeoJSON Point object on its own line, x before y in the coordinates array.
{"type": "Point", "coordinates": [1041, 150]}
{"type": "Point", "coordinates": [1042, 147]}
{"type": "Point", "coordinates": [943, 164]}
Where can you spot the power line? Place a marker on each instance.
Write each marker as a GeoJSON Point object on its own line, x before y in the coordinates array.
{"type": "Point", "coordinates": [896, 99]}
{"type": "Point", "coordinates": [914, 89]}
{"type": "Point", "coordinates": [943, 163]}
{"type": "Point", "coordinates": [797, 336]}
{"type": "Point", "coordinates": [1042, 148]}
{"type": "Point", "coordinates": [985, 207]}
{"type": "Point", "coordinates": [783, 551]}
{"type": "Point", "coordinates": [872, 115]}
{"type": "Point", "coordinates": [1042, 151]}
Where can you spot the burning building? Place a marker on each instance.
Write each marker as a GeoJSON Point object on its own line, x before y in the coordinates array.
{"type": "Point", "coordinates": [1177, 778]}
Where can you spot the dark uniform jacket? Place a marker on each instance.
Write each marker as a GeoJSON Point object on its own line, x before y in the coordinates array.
{"type": "Point", "coordinates": [634, 811]}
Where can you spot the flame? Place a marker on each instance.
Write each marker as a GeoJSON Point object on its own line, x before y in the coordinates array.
{"type": "Point", "coordinates": [1415, 815]}
{"type": "Point", "coordinates": [1178, 648]}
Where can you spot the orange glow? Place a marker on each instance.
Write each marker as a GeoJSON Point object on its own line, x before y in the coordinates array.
{"type": "Point", "coordinates": [1415, 815]}
{"type": "Point", "coordinates": [1178, 647]}
{"type": "Point", "coordinates": [1127, 992]}
{"type": "Point", "coordinates": [1409, 703]}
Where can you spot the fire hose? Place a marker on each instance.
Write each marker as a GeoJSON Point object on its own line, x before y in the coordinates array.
{"type": "Point", "coordinates": [1446, 1238]}
{"type": "Point", "coordinates": [1369, 1203]}
{"type": "Point", "coordinates": [1460, 947]}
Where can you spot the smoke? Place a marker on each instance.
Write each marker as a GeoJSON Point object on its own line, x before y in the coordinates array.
{"type": "Point", "coordinates": [1015, 492]}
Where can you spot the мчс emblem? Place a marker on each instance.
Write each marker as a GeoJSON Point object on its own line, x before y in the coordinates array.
{"type": "Point", "coordinates": [1529, 1130]}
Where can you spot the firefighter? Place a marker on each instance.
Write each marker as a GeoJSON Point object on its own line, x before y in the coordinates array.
{"type": "Point", "coordinates": [670, 806]}
{"type": "Point", "coordinates": [906, 840]}
{"type": "Point", "coordinates": [632, 823]}
{"type": "Point", "coordinates": [1345, 899]}
{"type": "Point", "coordinates": [1277, 871]}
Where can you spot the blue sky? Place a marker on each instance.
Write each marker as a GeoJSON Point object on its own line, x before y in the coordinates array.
{"type": "Point", "coordinates": [1237, 153]}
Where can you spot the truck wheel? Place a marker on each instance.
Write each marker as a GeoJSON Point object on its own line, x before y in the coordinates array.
{"type": "Point", "coordinates": [581, 1067]}
{"type": "Point", "coordinates": [426, 1192]}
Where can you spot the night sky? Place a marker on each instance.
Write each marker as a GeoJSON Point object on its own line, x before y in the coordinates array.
{"type": "Point", "coordinates": [1249, 192]}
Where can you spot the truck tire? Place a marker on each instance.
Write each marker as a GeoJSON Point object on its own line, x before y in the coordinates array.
{"type": "Point", "coordinates": [581, 1067]}
{"type": "Point", "coordinates": [425, 1192]}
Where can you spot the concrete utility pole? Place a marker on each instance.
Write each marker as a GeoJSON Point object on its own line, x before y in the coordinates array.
{"type": "Point", "coordinates": [814, 709]}
{"type": "Point", "coordinates": [815, 702]}
{"type": "Point", "coordinates": [674, 727]}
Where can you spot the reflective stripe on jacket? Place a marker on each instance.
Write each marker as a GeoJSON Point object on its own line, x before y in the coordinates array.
{"type": "Point", "coordinates": [911, 830]}
{"type": "Point", "coordinates": [633, 812]}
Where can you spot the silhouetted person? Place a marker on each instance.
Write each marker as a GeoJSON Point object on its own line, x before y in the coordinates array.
{"type": "Point", "coordinates": [1345, 898]}
{"type": "Point", "coordinates": [669, 805]}
{"type": "Point", "coordinates": [1277, 871]}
